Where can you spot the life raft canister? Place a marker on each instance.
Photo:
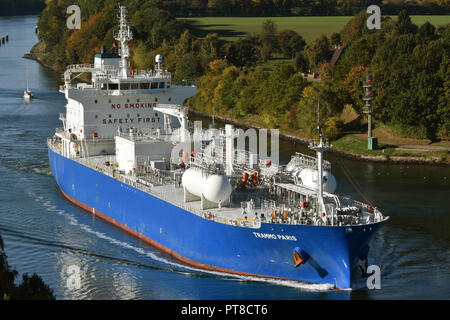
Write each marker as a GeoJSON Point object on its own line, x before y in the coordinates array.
{"type": "Point", "coordinates": [254, 178]}
{"type": "Point", "coordinates": [274, 215]}
{"type": "Point", "coordinates": [244, 178]}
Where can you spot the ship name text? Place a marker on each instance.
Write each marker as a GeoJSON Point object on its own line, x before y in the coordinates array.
{"type": "Point", "coordinates": [274, 236]}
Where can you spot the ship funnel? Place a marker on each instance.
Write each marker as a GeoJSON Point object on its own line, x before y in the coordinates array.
{"type": "Point", "coordinates": [158, 60]}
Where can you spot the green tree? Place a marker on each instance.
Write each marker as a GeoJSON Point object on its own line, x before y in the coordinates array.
{"type": "Point", "coordinates": [268, 38]}
{"type": "Point", "coordinates": [427, 32]}
{"type": "Point", "coordinates": [188, 67]}
{"type": "Point", "coordinates": [242, 52]}
{"type": "Point", "coordinates": [31, 288]}
{"type": "Point", "coordinates": [404, 23]}
{"type": "Point", "coordinates": [335, 39]}
{"type": "Point", "coordinates": [318, 52]}
{"type": "Point", "coordinates": [290, 42]}
{"type": "Point", "coordinates": [301, 63]}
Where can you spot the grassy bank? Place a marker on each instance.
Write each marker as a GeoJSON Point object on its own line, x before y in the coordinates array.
{"type": "Point", "coordinates": [355, 145]}
{"type": "Point", "coordinates": [231, 28]}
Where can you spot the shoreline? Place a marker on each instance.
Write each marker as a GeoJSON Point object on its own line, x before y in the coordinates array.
{"type": "Point", "coordinates": [32, 55]}
{"type": "Point", "coordinates": [380, 159]}
{"type": "Point", "coordinates": [353, 156]}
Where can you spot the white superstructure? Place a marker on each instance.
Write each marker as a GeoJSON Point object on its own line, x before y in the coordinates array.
{"type": "Point", "coordinates": [116, 97]}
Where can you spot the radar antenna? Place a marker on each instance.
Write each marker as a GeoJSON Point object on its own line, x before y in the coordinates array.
{"type": "Point", "coordinates": [123, 36]}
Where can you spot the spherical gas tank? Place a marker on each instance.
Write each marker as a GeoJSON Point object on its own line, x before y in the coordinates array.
{"type": "Point", "coordinates": [217, 188]}
{"type": "Point", "coordinates": [214, 188]}
{"type": "Point", "coordinates": [310, 177]}
{"type": "Point", "coordinates": [329, 184]}
{"type": "Point", "coordinates": [192, 180]}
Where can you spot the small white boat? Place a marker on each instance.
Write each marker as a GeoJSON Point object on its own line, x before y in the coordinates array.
{"type": "Point", "coordinates": [27, 94]}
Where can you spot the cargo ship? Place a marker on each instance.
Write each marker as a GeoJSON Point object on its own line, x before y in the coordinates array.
{"type": "Point", "coordinates": [124, 154]}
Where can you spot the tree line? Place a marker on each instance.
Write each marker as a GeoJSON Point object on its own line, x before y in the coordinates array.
{"type": "Point", "coordinates": [264, 8]}
{"type": "Point", "coordinates": [239, 79]}
{"type": "Point", "coordinates": [259, 8]}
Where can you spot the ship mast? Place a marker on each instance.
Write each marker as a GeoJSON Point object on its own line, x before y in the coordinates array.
{"type": "Point", "coordinates": [123, 36]}
{"type": "Point", "coordinates": [320, 148]}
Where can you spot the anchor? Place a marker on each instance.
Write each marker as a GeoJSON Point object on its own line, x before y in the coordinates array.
{"type": "Point", "coordinates": [298, 258]}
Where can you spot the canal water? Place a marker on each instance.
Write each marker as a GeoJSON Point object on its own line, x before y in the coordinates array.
{"type": "Point", "coordinates": [44, 233]}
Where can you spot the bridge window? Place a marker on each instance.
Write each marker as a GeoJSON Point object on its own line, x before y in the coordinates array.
{"type": "Point", "coordinates": [124, 86]}
{"type": "Point", "coordinates": [154, 85]}
{"type": "Point", "coordinates": [134, 86]}
{"type": "Point", "coordinates": [113, 86]}
{"type": "Point", "coordinates": [145, 86]}
{"type": "Point", "coordinates": [161, 84]}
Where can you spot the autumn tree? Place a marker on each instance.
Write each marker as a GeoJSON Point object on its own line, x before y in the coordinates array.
{"type": "Point", "coordinates": [318, 52]}
{"type": "Point", "coordinates": [290, 42]}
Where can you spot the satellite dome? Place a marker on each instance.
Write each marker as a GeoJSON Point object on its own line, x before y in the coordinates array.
{"type": "Point", "coordinates": [158, 58]}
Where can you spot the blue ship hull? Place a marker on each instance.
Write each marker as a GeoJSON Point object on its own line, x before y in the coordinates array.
{"type": "Point", "coordinates": [330, 252]}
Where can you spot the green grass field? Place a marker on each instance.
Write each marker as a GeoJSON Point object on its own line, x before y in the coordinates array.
{"type": "Point", "coordinates": [231, 28]}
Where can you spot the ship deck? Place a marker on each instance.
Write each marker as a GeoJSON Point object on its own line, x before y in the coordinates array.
{"type": "Point", "coordinates": [232, 213]}
{"type": "Point", "coordinates": [246, 208]}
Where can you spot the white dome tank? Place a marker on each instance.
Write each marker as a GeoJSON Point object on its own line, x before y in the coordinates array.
{"type": "Point", "coordinates": [192, 180]}
{"type": "Point", "coordinates": [309, 178]}
{"type": "Point", "coordinates": [217, 188]}
{"type": "Point", "coordinates": [158, 58]}
{"type": "Point", "coordinates": [214, 188]}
